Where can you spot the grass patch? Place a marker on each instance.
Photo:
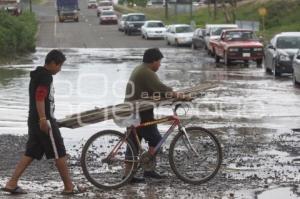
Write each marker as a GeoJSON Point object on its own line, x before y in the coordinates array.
{"type": "Point", "coordinates": [17, 34]}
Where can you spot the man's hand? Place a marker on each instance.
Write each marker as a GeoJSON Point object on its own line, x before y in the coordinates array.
{"type": "Point", "coordinates": [44, 126]}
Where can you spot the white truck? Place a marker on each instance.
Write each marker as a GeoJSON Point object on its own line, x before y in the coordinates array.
{"type": "Point", "coordinates": [213, 31]}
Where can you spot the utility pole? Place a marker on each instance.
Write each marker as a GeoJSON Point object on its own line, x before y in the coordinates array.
{"type": "Point", "coordinates": [30, 5]}
{"type": "Point", "coordinates": [166, 9]}
{"type": "Point", "coordinates": [191, 9]}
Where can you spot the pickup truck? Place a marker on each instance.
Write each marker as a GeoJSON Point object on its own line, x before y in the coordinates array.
{"type": "Point", "coordinates": [213, 31]}
{"type": "Point", "coordinates": [238, 44]}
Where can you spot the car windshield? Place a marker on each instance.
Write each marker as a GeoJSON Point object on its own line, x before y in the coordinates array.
{"type": "Point", "coordinates": [108, 13]}
{"type": "Point", "coordinates": [155, 25]}
{"type": "Point", "coordinates": [92, 1]}
{"type": "Point", "coordinates": [184, 29]}
{"type": "Point", "coordinates": [105, 4]}
{"type": "Point", "coordinates": [218, 30]}
{"type": "Point", "coordinates": [240, 36]}
{"type": "Point", "coordinates": [288, 42]}
{"type": "Point", "coordinates": [137, 18]}
{"type": "Point", "coordinates": [123, 17]}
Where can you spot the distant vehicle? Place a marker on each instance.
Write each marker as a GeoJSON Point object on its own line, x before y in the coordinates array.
{"type": "Point", "coordinates": [108, 16]}
{"type": "Point", "coordinates": [279, 54]}
{"type": "Point", "coordinates": [104, 5]}
{"type": "Point", "coordinates": [134, 22]}
{"type": "Point", "coordinates": [153, 29]}
{"type": "Point", "coordinates": [198, 38]}
{"type": "Point", "coordinates": [213, 31]}
{"type": "Point", "coordinates": [92, 4]}
{"type": "Point", "coordinates": [179, 34]}
{"type": "Point", "coordinates": [121, 22]}
{"type": "Point", "coordinates": [238, 44]}
{"type": "Point", "coordinates": [13, 7]}
{"type": "Point", "coordinates": [67, 10]}
{"type": "Point", "coordinates": [296, 68]}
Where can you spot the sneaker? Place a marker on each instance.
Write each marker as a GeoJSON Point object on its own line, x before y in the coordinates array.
{"type": "Point", "coordinates": [154, 174]}
{"type": "Point", "coordinates": [136, 180]}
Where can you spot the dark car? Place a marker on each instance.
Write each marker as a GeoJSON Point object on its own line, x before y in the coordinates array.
{"type": "Point", "coordinates": [198, 38]}
{"type": "Point", "coordinates": [280, 52]}
{"type": "Point", "coordinates": [133, 23]}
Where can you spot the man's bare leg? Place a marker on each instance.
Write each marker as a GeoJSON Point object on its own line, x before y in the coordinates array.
{"type": "Point", "coordinates": [63, 170]}
{"type": "Point", "coordinates": [20, 168]}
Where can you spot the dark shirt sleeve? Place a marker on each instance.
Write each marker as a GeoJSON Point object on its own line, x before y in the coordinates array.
{"type": "Point", "coordinates": [154, 85]}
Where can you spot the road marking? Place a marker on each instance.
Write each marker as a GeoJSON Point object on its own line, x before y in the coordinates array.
{"type": "Point", "coordinates": [55, 26]}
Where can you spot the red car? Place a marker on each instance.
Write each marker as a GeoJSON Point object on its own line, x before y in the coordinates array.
{"type": "Point", "coordinates": [238, 44]}
{"type": "Point", "coordinates": [108, 16]}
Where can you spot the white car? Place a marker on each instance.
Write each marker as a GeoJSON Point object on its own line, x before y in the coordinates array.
{"type": "Point", "coordinates": [121, 22]}
{"type": "Point", "coordinates": [179, 34]}
{"type": "Point", "coordinates": [104, 5]}
{"type": "Point", "coordinates": [153, 29]}
{"type": "Point", "coordinates": [92, 4]}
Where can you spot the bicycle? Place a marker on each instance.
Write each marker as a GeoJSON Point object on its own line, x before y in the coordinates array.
{"type": "Point", "coordinates": [195, 154]}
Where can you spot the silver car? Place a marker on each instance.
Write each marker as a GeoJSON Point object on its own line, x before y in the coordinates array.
{"type": "Point", "coordinates": [121, 22]}
{"type": "Point", "coordinates": [296, 68]}
{"type": "Point", "coordinates": [280, 52]}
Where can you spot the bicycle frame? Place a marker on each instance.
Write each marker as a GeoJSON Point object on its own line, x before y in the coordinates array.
{"type": "Point", "coordinates": [133, 129]}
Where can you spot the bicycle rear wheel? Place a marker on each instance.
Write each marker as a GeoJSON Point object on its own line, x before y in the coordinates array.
{"type": "Point", "coordinates": [104, 168]}
{"type": "Point", "coordinates": [198, 161]}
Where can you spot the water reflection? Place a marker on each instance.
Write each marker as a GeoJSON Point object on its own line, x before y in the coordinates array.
{"type": "Point", "coordinates": [8, 75]}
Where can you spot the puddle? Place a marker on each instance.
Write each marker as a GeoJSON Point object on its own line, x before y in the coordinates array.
{"type": "Point", "coordinates": [278, 193]}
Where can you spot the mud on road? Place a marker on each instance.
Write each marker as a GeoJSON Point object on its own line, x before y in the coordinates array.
{"type": "Point", "coordinates": [252, 114]}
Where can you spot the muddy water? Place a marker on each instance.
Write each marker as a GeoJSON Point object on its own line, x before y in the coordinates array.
{"type": "Point", "coordinates": [252, 114]}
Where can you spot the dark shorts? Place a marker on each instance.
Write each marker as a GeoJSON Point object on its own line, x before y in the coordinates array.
{"type": "Point", "coordinates": [40, 143]}
{"type": "Point", "coordinates": [149, 133]}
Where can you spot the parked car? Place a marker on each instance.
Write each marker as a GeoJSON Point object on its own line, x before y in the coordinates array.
{"type": "Point", "coordinates": [133, 23]}
{"type": "Point", "coordinates": [296, 68]}
{"type": "Point", "coordinates": [121, 22]}
{"type": "Point", "coordinates": [213, 31]}
{"type": "Point", "coordinates": [198, 38]}
{"type": "Point", "coordinates": [179, 34]}
{"type": "Point", "coordinates": [13, 7]}
{"type": "Point", "coordinates": [238, 44]}
{"type": "Point", "coordinates": [108, 16]}
{"type": "Point", "coordinates": [92, 4]}
{"type": "Point", "coordinates": [104, 5]}
{"type": "Point", "coordinates": [280, 52]}
{"type": "Point", "coordinates": [153, 29]}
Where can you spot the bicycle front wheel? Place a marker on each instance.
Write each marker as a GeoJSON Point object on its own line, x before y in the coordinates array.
{"type": "Point", "coordinates": [197, 157]}
{"type": "Point", "coordinates": [104, 157]}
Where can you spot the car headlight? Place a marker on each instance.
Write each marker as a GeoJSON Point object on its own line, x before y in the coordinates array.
{"type": "Point", "coordinates": [233, 50]}
{"type": "Point", "coordinates": [257, 49]}
{"type": "Point", "coordinates": [284, 58]}
{"type": "Point", "coordinates": [75, 11]}
{"type": "Point", "coordinates": [130, 25]}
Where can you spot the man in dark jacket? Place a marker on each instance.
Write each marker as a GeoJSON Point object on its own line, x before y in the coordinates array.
{"type": "Point", "coordinates": [144, 82]}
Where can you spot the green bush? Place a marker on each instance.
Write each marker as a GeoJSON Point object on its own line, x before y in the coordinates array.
{"type": "Point", "coordinates": [17, 34]}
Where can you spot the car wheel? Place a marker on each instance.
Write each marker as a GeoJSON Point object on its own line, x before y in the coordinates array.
{"type": "Point", "coordinates": [146, 36]}
{"type": "Point", "coordinates": [168, 43]}
{"type": "Point", "coordinates": [259, 63]}
{"type": "Point", "coordinates": [226, 60]}
{"type": "Point", "coordinates": [217, 58]}
{"type": "Point", "coordinates": [194, 47]}
{"type": "Point", "coordinates": [295, 80]}
{"type": "Point", "coordinates": [276, 72]}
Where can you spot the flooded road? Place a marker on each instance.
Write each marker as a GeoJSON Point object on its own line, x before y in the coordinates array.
{"type": "Point", "coordinates": [252, 113]}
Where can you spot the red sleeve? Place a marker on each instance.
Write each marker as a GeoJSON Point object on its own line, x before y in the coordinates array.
{"type": "Point", "coordinates": [41, 93]}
